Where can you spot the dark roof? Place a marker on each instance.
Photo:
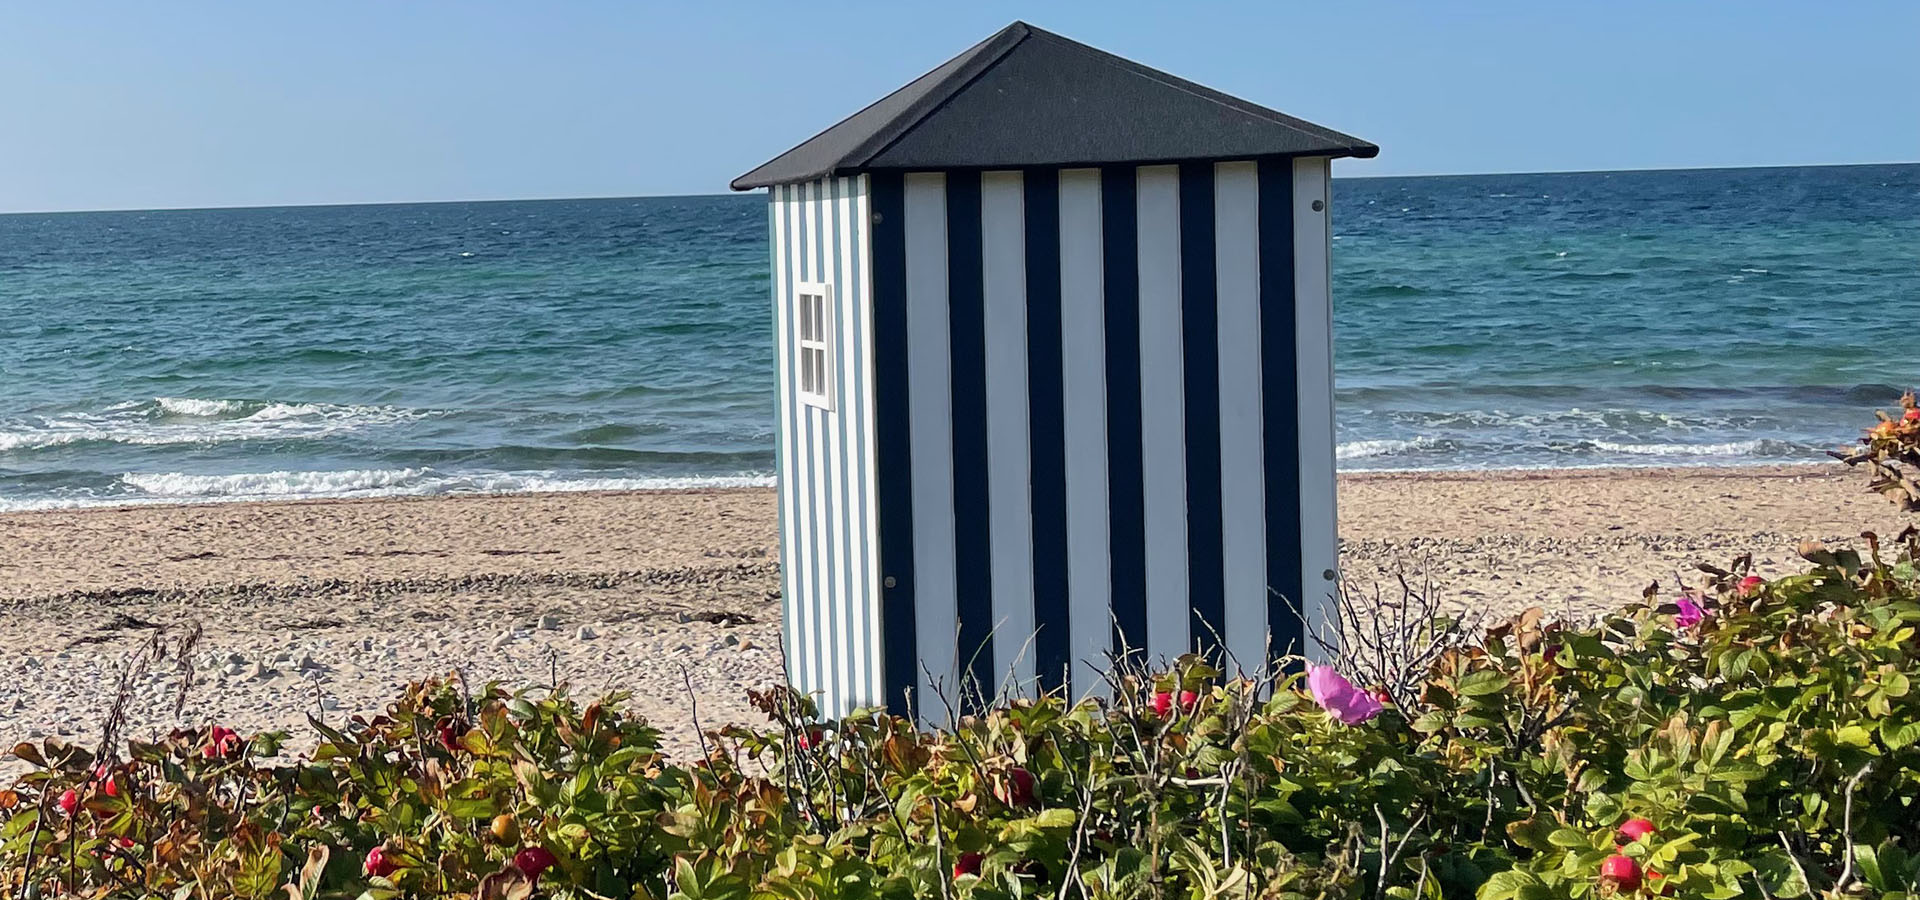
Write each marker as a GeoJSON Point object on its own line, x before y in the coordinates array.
{"type": "Point", "coordinates": [1027, 97]}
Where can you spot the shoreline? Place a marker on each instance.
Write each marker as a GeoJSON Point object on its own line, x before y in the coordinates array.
{"type": "Point", "coordinates": [1771, 469]}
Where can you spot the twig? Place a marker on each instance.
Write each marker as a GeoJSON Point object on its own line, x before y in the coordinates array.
{"type": "Point", "coordinates": [694, 699]}
{"type": "Point", "coordinates": [1795, 859]}
{"type": "Point", "coordinates": [940, 852]}
{"type": "Point", "coordinates": [1388, 859]}
{"type": "Point", "coordinates": [1846, 831]}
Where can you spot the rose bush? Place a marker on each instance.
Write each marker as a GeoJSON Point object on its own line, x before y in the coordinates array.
{"type": "Point", "coordinates": [1728, 738]}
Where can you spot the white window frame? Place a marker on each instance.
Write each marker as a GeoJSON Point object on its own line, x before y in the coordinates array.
{"type": "Point", "coordinates": [815, 376]}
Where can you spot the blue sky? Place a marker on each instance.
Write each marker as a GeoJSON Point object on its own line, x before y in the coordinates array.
{"type": "Point", "coordinates": [117, 105]}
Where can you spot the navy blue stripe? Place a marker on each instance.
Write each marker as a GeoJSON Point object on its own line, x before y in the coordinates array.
{"type": "Point", "coordinates": [1047, 430]}
{"type": "Point", "coordinates": [1280, 406]}
{"type": "Point", "coordinates": [1200, 355]}
{"type": "Point", "coordinates": [966, 307]}
{"type": "Point", "coordinates": [893, 439]}
{"type": "Point", "coordinates": [1126, 490]}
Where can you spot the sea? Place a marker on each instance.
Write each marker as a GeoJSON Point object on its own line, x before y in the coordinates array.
{"type": "Point", "coordinates": [1648, 318]}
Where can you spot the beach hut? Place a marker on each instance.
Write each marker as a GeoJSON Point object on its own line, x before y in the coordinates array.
{"type": "Point", "coordinates": [1055, 357]}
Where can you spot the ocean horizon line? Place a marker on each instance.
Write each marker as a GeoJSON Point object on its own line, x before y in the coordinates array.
{"type": "Point", "coordinates": [375, 204]}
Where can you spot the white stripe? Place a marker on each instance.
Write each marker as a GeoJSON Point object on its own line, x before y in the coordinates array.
{"type": "Point", "coordinates": [824, 487]}
{"type": "Point", "coordinates": [833, 599]}
{"type": "Point", "coordinates": [1313, 330]}
{"type": "Point", "coordinates": [930, 427]}
{"type": "Point", "coordinates": [1162, 432]}
{"type": "Point", "coordinates": [1084, 382]}
{"type": "Point", "coordinates": [859, 465]}
{"type": "Point", "coordinates": [846, 553]}
{"type": "Point", "coordinates": [806, 484]}
{"type": "Point", "coordinates": [874, 618]}
{"type": "Point", "coordinates": [1236, 255]}
{"type": "Point", "coordinates": [1009, 467]}
{"type": "Point", "coordinates": [807, 588]}
{"type": "Point", "coordinates": [789, 509]}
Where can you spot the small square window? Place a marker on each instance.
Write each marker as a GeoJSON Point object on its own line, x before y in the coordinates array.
{"type": "Point", "coordinates": [813, 343]}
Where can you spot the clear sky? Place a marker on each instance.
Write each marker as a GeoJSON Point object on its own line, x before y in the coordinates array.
{"type": "Point", "coordinates": [118, 105]}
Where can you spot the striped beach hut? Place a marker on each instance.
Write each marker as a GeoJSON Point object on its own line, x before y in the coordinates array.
{"type": "Point", "coordinates": [1055, 355]}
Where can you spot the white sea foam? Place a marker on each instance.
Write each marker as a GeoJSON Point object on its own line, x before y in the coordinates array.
{"type": "Point", "coordinates": [189, 420]}
{"type": "Point", "coordinates": [151, 488]}
{"type": "Point", "coordinates": [1366, 449]}
{"type": "Point", "coordinates": [181, 487]}
{"type": "Point", "coordinates": [190, 406]}
{"type": "Point", "coordinates": [1754, 448]}
{"type": "Point", "coordinates": [271, 484]}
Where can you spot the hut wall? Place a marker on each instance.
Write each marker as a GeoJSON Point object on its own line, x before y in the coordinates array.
{"type": "Point", "coordinates": [1103, 418]}
{"type": "Point", "coordinates": [829, 513]}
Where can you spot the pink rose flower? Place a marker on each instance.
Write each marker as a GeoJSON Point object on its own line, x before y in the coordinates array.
{"type": "Point", "coordinates": [1691, 614]}
{"type": "Point", "coordinates": [1338, 696]}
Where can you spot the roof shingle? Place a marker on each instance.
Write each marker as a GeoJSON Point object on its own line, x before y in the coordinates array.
{"type": "Point", "coordinates": [1028, 97]}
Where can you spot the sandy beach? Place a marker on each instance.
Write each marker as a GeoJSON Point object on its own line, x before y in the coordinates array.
{"type": "Point", "coordinates": [324, 607]}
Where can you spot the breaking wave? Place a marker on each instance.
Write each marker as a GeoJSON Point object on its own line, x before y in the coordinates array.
{"type": "Point", "coordinates": [139, 488]}
{"type": "Point", "coordinates": [190, 420]}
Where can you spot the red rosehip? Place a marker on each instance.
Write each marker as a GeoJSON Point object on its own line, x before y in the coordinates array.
{"type": "Point", "coordinates": [811, 738]}
{"type": "Point", "coordinates": [1912, 415]}
{"type": "Point", "coordinates": [126, 843]}
{"type": "Point", "coordinates": [1634, 829]}
{"type": "Point", "coordinates": [967, 864]}
{"type": "Point", "coordinates": [1019, 787]}
{"type": "Point", "coordinates": [450, 733]}
{"type": "Point", "coordinates": [221, 742]}
{"type": "Point", "coordinates": [1622, 871]}
{"type": "Point", "coordinates": [1162, 703]}
{"type": "Point", "coordinates": [1189, 700]}
{"type": "Point", "coordinates": [1750, 584]}
{"type": "Point", "coordinates": [70, 801]}
{"type": "Point", "coordinates": [112, 788]}
{"type": "Point", "coordinates": [378, 864]}
{"type": "Point", "coordinates": [534, 860]}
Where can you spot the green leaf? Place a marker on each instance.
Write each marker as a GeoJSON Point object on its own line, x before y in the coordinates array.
{"type": "Point", "coordinates": [1513, 884]}
{"type": "Point", "coordinates": [1897, 735]}
{"type": "Point", "coordinates": [1056, 818]}
{"type": "Point", "coordinates": [1867, 859]}
{"type": "Point", "coordinates": [1570, 839]}
{"type": "Point", "coordinates": [1853, 736]}
{"type": "Point", "coordinates": [472, 808]}
{"type": "Point", "coordinates": [1534, 834]}
{"type": "Point", "coordinates": [1483, 682]}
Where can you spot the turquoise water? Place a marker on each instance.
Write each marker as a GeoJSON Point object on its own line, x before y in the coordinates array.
{"type": "Point", "coordinates": [1703, 317]}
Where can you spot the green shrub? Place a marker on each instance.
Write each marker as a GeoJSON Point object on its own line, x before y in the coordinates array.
{"type": "Point", "coordinates": [1732, 738]}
